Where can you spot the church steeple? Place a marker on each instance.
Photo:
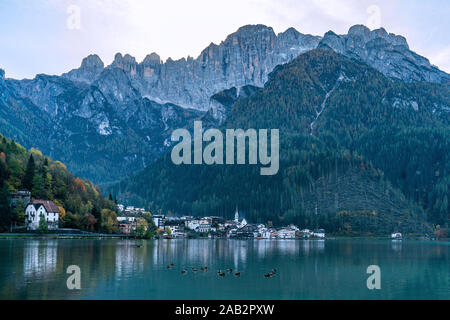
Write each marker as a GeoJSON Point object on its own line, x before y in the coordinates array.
{"type": "Point", "coordinates": [236, 215]}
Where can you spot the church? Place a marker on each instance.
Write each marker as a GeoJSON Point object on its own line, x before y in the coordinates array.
{"type": "Point", "coordinates": [240, 223]}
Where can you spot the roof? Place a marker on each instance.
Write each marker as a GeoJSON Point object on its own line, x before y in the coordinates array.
{"type": "Point", "coordinates": [49, 206]}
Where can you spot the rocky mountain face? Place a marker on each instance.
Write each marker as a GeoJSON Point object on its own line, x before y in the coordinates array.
{"type": "Point", "coordinates": [245, 57]}
{"type": "Point", "coordinates": [108, 121]}
{"type": "Point", "coordinates": [386, 52]}
{"type": "Point", "coordinates": [90, 69]}
{"type": "Point", "coordinates": [102, 131]}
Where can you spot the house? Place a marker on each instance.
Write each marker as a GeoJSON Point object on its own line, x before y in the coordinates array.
{"type": "Point", "coordinates": [396, 235]}
{"type": "Point", "coordinates": [268, 233]}
{"type": "Point", "coordinates": [248, 231]}
{"type": "Point", "coordinates": [131, 223]}
{"type": "Point", "coordinates": [205, 228]}
{"type": "Point", "coordinates": [41, 209]}
{"type": "Point", "coordinates": [159, 221]}
{"type": "Point", "coordinates": [176, 226]}
{"type": "Point", "coordinates": [305, 233]}
{"type": "Point", "coordinates": [286, 233]}
{"type": "Point", "coordinates": [192, 224]}
{"type": "Point", "coordinates": [232, 232]}
{"type": "Point", "coordinates": [125, 227]}
{"type": "Point", "coordinates": [318, 233]}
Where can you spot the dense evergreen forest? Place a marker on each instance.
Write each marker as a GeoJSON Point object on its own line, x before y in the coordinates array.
{"type": "Point", "coordinates": [81, 203]}
{"type": "Point", "coordinates": [359, 153]}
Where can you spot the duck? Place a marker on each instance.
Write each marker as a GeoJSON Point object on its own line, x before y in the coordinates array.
{"type": "Point", "coordinates": [183, 271]}
{"type": "Point", "coordinates": [222, 274]}
{"type": "Point", "coordinates": [169, 266]}
{"type": "Point", "coordinates": [237, 274]}
{"type": "Point", "coordinates": [194, 269]}
{"type": "Point", "coordinates": [229, 270]}
{"type": "Point", "coordinates": [267, 275]}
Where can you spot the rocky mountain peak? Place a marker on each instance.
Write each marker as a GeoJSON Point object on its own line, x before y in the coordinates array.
{"type": "Point", "coordinates": [251, 34]}
{"type": "Point", "coordinates": [386, 52]}
{"type": "Point", "coordinates": [92, 61]}
{"type": "Point", "coordinates": [126, 62]}
{"type": "Point", "coordinates": [152, 59]}
{"type": "Point", "coordinates": [359, 30]}
{"type": "Point", "coordinates": [251, 29]}
{"type": "Point", "coordinates": [90, 68]}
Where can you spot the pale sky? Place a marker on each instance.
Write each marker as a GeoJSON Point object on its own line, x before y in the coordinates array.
{"type": "Point", "coordinates": [53, 36]}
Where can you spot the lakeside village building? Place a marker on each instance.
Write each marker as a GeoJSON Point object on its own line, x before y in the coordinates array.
{"type": "Point", "coordinates": [35, 210]}
{"type": "Point", "coordinates": [128, 218]}
{"type": "Point", "coordinates": [180, 227]}
{"type": "Point", "coordinates": [41, 209]}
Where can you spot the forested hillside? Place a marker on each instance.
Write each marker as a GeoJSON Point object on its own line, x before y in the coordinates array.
{"type": "Point", "coordinates": [358, 153]}
{"type": "Point", "coordinates": [80, 202]}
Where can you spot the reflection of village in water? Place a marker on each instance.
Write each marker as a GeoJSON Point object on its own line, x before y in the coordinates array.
{"type": "Point", "coordinates": [36, 269]}
{"type": "Point", "coordinates": [204, 252]}
{"type": "Point", "coordinates": [40, 258]}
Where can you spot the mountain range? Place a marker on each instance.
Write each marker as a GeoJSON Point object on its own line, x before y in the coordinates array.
{"type": "Point", "coordinates": [106, 122]}
{"type": "Point", "coordinates": [359, 153]}
{"type": "Point", "coordinates": [364, 126]}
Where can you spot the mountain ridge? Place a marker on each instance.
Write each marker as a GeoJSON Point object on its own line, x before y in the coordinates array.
{"type": "Point", "coordinates": [361, 104]}
{"type": "Point", "coordinates": [120, 116]}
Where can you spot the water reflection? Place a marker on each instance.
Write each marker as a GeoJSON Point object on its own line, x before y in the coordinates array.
{"type": "Point", "coordinates": [39, 258]}
{"type": "Point", "coordinates": [128, 261]}
{"type": "Point", "coordinates": [396, 245]}
{"type": "Point", "coordinates": [308, 269]}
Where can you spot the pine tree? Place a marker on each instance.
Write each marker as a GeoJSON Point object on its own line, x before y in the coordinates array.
{"type": "Point", "coordinates": [27, 181]}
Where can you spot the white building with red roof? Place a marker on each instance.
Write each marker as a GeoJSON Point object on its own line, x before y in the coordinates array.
{"type": "Point", "coordinates": [41, 209]}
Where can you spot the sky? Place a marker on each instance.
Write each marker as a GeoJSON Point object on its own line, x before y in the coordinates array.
{"type": "Point", "coordinates": [53, 36]}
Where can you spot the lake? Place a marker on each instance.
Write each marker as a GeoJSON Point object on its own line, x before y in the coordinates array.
{"type": "Point", "coordinates": [306, 269]}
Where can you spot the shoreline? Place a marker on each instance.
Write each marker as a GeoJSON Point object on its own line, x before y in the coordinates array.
{"type": "Point", "coordinates": [6, 236]}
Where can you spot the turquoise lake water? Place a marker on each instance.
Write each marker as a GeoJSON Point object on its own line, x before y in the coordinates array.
{"type": "Point", "coordinates": [306, 269]}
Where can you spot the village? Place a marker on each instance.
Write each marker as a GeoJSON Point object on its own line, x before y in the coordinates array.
{"type": "Point", "coordinates": [211, 227]}
{"type": "Point", "coordinates": [133, 221]}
